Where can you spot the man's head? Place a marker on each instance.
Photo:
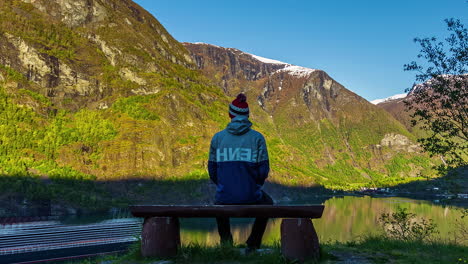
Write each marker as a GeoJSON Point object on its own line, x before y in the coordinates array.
{"type": "Point", "coordinates": [239, 106]}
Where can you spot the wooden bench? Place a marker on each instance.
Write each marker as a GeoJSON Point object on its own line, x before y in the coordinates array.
{"type": "Point", "coordinates": [161, 233]}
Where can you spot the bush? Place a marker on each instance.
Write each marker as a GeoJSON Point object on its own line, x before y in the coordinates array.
{"type": "Point", "coordinates": [461, 233]}
{"type": "Point", "coordinates": [402, 225]}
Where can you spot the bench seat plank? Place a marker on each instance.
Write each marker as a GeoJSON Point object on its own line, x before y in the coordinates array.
{"type": "Point", "coordinates": [247, 211]}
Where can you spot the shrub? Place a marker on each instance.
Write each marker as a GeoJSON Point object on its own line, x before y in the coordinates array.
{"type": "Point", "coordinates": [402, 225]}
{"type": "Point", "coordinates": [461, 233]}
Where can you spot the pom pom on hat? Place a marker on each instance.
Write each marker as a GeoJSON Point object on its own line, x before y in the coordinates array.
{"type": "Point", "coordinates": [239, 106]}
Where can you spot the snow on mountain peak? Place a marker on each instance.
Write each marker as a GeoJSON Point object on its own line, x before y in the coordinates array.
{"type": "Point", "coordinates": [394, 97]}
{"type": "Point", "coordinates": [293, 70]}
{"type": "Point", "coordinates": [266, 60]}
{"type": "Point", "coordinates": [297, 71]}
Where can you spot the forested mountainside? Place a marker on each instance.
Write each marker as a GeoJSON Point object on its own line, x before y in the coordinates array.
{"type": "Point", "coordinates": [98, 89]}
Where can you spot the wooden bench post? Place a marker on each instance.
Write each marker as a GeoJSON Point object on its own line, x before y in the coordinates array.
{"type": "Point", "coordinates": [299, 241]}
{"type": "Point", "coordinates": [160, 237]}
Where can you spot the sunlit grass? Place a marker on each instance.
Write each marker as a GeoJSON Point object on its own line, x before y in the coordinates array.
{"type": "Point", "coordinates": [380, 249]}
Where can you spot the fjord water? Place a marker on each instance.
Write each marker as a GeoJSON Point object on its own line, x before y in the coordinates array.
{"type": "Point", "coordinates": [344, 219]}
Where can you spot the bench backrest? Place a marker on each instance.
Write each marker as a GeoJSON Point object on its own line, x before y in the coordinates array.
{"type": "Point", "coordinates": [270, 211]}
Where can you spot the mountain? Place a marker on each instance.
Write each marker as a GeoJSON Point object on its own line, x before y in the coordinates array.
{"type": "Point", "coordinates": [332, 134]}
{"type": "Point", "coordinates": [98, 89]}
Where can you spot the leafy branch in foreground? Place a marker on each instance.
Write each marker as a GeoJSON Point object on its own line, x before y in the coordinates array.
{"type": "Point", "coordinates": [402, 225]}
{"type": "Point", "coordinates": [439, 103]}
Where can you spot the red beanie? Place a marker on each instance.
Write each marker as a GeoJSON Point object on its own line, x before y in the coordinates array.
{"type": "Point", "coordinates": [239, 106]}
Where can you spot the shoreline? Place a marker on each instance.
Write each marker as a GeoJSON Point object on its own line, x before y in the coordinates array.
{"type": "Point", "coordinates": [434, 199]}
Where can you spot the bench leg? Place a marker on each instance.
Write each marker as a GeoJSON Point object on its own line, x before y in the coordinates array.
{"type": "Point", "coordinates": [299, 241]}
{"type": "Point", "coordinates": [160, 237]}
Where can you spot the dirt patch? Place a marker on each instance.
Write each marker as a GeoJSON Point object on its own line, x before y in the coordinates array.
{"type": "Point", "coordinates": [347, 257]}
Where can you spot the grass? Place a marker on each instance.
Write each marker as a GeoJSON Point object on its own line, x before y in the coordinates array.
{"type": "Point", "coordinates": [196, 253]}
{"type": "Point", "coordinates": [380, 249]}
{"type": "Point", "coordinates": [373, 249]}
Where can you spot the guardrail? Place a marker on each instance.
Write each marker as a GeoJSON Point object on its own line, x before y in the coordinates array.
{"type": "Point", "coordinates": [23, 238]}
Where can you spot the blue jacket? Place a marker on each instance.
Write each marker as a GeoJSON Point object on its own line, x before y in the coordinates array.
{"type": "Point", "coordinates": [238, 163]}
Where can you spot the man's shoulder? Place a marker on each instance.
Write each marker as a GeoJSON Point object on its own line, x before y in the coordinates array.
{"type": "Point", "coordinates": [255, 133]}
{"type": "Point", "coordinates": [220, 133]}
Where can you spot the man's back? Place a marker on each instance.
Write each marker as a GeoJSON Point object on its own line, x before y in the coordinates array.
{"type": "Point", "coordinates": [239, 159]}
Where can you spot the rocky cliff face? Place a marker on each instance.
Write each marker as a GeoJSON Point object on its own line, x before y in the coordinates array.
{"type": "Point", "coordinates": [86, 47]}
{"type": "Point", "coordinates": [230, 64]}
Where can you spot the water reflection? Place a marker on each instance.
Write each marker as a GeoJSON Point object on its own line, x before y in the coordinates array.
{"type": "Point", "coordinates": [344, 219]}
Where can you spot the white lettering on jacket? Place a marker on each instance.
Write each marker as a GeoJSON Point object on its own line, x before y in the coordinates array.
{"type": "Point", "coordinates": [233, 154]}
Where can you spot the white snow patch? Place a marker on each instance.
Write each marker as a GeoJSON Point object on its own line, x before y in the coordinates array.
{"type": "Point", "coordinates": [394, 97]}
{"type": "Point", "coordinates": [294, 70]}
{"type": "Point", "coordinates": [446, 77]}
{"type": "Point", "coordinates": [266, 60]}
{"type": "Point", "coordinates": [297, 71]}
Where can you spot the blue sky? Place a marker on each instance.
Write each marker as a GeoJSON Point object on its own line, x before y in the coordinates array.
{"type": "Point", "coordinates": [363, 44]}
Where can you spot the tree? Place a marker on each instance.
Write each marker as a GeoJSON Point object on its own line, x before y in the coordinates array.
{"type": "Point", "coordinates": [439, 103]}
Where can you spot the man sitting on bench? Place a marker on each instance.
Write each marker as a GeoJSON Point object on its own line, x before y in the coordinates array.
{"type": "Point", "coordinates": [238, 165]}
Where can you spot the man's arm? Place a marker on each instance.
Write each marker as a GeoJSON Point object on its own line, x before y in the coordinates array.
{"type": "Point", "coordinates": [212, 164]}
{"type": "Point", "coordinates": [263, 162]}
